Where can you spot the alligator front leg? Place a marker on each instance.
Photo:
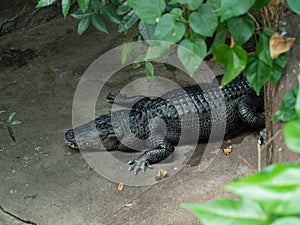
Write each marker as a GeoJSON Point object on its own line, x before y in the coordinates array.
{"type": "Point", "coordinates": [151, 156]}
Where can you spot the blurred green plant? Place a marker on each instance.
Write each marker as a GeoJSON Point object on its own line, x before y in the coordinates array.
{"type": "Point", "coordinates": [9, 123]}
{"type": "Point", "coordinates": [271, 196]}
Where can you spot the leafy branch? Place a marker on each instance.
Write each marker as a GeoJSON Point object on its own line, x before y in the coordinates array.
{"type": "Point", "coordinates": [189, 23]}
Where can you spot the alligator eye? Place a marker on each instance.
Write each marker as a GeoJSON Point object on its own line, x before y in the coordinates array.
{"type": "Point", "coordinates": [69, 135]}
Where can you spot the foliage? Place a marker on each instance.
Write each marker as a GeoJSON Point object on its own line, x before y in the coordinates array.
{"type": "Point", "coordinates": [177, 21]}
{"type": "Point", "coordinates": [268, 197]}
{"type": "Point", "coordinates": [9, 123]}
{"type": "Point", "coordinates": [292, 128]}
{"type": "Point", "coordinates": [290, 112]}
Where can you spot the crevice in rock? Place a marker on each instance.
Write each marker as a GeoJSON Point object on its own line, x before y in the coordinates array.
{"type": "Point", "coordinates": [16, 217]}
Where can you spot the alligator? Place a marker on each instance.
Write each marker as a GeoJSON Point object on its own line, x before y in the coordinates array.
{"type": "Point", "coordinates": [183, 112]}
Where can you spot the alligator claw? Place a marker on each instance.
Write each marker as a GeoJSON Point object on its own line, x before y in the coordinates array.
{"type": "Point", "coordinates": [139, 164]}
{"type": "Point", "coordinates": [110, 97]}
{"type": "Point", "coordinates": [262, 137]}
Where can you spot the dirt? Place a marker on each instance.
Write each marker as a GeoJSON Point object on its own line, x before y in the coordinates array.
{"type": "Point", "coordinates": [43, 181]}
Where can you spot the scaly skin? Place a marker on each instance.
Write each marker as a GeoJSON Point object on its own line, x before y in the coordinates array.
{"type": "Point", "coordinates": [183, 112]}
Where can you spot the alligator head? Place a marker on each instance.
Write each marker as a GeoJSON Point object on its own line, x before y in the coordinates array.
{"type": "Point", "coordinates": [92, 134]}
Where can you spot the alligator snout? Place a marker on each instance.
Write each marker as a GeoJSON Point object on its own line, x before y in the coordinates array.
{"type": "Point", "coordinates": [70, 139]}
{"type": "Point", "coordinates": [98, 134]}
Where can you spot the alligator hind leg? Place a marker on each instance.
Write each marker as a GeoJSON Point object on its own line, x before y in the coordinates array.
{"type": "Point", "coordinates": [252, 118]}
{"type": "Point", "coordinates": [248, 114]}
{"type": "Point", "coordinates": [125, 101]}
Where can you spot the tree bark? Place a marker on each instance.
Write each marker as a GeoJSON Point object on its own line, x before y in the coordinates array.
{"type": "Point", "coordinates": [285, 21]}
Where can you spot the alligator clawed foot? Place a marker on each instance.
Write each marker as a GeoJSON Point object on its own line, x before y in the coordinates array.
{"type": "Point", "coordinates": [110, 97]}
{"type": "Point", "coordinates": [139, 164]}
{"type": "Point", "coordinates": [262, 137]}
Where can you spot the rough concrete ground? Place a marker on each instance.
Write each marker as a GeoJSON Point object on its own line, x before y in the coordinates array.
{"type": "Point", "coordinates": [44, 182]}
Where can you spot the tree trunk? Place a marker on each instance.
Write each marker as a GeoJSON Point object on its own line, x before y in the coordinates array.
{"type": "Point", "coordinates": [282, 20]}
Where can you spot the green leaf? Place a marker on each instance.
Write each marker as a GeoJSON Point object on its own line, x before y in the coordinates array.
{"type": "Point", "coordinates": [183, 2]}
{"type": "Point", "coordinates": [259, 4]}
{"type": "Point", "coordinates": [127, 51]}
{"type": "Point", "coordinates": [287, 111]}
{"type": "Point", "coordinates": [194, 4]}
{"type": "Point", "coordinates": [191, 54]}
{"type": "Point", "coordinates": [2, 111]}
{"type": "Point", "coordinates": [124, 8]}
{"type": "Point", "coordinates": [96, 5]}
{"type": "Point", "coordinates": [278, 66]}
{"type": "Point", "coordinates": [10, 118]}
{"type": "Point", "coordinates": [65, 4]}
{"type": "Point", "coordinates": [257, 72]}
{"type": "Point", "coordinates": [148, 10]}
{"type": "Point", "coordinates": [83, 4]}
{"type": "Point", "coordinates": [276, 188]}
{"type": "Point", "coordinates": [78, 14]}
{"type": "Point", "coordinates": [176, 12]}
{"type": "Point", "coordinates": [169, 67]}
{"type": "Point", "coordinates": [229, 212]}
{"type": "Point", "coordinates": [149, 70]}
{"type": "Point", "coordinates": [117, 2]}
{"type": "Point", "coordinates": [83, 25]}
{"type": "Point", "coordinates": [204, 21]}
{"type": "Point", "coordinates": [216, 4]}
{"type": "Point", "coordinates": [43, 3]}
{"type": "Point", "coordinates": [241, 28]}
{"type": "Point", "coordinates": [220, 37]}
{"type": "Point", "coordinates": [128, 21]}
{"type": "Point", "coordinates": [15, 122]}
{"type": "Point", "coordinates": [291, 135]}
{"type": "Point", "coordinates": [98, 23]}
{"type": "Point", "coordinates": [234, 60]}
{"type": "Point", "coordinates": [294, 5]}
{"type": "Point", "coordinates": [169, 29]}
{"type": "Point", "coordinates": [232, 8]}
{"type": "Point", "coordinates": [157, 50]}
{"type": "Point", "coordinates": [139, 61]}
{"type": "Point", "coordinates": [291, 220]}
{"type": "Point", "coordinates": [297, 106]}
{"type": "Point", "coordinates": [11, 133]}
{"type": "Point", "coordinates": [263, 46]}
{"type": "Point", "coordinates": [111, 14]}
{"type": "Point", "coordinates": [292, 129]}
{"type": "Point", "coordinates": [146, 30]}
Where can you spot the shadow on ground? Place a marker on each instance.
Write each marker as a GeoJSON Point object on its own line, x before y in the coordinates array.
{"type": "Point", "coordinates": [43, 181]}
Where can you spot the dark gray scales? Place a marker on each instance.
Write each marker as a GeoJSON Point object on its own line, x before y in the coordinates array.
{"type": "Point", "coordinates": [159, 124]}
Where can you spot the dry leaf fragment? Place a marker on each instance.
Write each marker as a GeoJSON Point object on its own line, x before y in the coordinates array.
{"type": "Point", "coordinates": [161, 174]}
{"type": "Point", "coordinates": [92, 168]}
{"type": "Point", "coordinates": [128, 205]}
{"type": "Point", "coordinates": [227, 150]}
{"type": "Point", "coordinates": [232, 42]}
{"type": "Point", "coordinates": [120, 186]}
{"type": "Point", "coordinates": [279, 45]}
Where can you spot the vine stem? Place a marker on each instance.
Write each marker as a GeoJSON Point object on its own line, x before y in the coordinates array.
{"type": "Point", "coordinates": [255, 21]}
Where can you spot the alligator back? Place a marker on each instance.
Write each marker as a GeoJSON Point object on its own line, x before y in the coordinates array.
{"type": "Point", "coordinates": [189, 110]}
